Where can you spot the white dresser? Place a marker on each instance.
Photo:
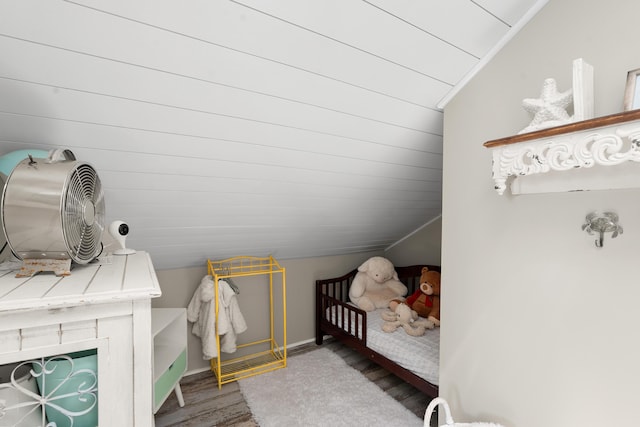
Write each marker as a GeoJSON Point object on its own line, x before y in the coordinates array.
{"type": "Point", "coordinates": [104, 307]}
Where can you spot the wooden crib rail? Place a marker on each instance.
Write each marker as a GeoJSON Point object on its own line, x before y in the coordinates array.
{"type": "Point", "coordinates": [332, 297]}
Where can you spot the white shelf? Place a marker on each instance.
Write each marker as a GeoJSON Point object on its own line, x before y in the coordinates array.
{"type": "Point", "coordinates": [596, 154]}
{"type": "Point", "coordinates": [163, 317]}
{"type": "Point", "coordinates": [164, 356]}
{"type": "Point", "coordinates": [169, 330]}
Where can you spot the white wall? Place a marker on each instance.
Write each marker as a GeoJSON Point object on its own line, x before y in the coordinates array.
{"type": "Point", "coordinates": [178, 286]}
{"type": "Point", "coordinates": [539, 326]}
{"type": "Point", "coordinates": [423, 246]}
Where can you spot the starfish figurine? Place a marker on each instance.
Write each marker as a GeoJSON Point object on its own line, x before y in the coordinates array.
{"type": "Point", "coordinates": [550, 109]}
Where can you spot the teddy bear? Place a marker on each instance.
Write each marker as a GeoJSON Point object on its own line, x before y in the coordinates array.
{"type": "Point", "coordinates": [375, 284]}
{"type": "Point", "coordinates": [406, 318]}
{"type": "Point", "coordinates": [426, 299]}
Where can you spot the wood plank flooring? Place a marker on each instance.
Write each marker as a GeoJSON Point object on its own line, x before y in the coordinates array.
{"type": "Point", "coordinates": [207, 406]}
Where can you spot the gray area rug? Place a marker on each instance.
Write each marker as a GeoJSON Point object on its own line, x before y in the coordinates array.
{"type": "Point", "coordinates": [319, 389]}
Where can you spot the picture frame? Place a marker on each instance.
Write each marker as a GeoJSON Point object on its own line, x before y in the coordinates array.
{"type": "Point", "coordinates": [632, 91]}
{"type": "Point", "coordinates": [583, 105]}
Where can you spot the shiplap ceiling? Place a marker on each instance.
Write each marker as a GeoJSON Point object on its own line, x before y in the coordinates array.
{"type": "Point", "coordinates": [296, 128]}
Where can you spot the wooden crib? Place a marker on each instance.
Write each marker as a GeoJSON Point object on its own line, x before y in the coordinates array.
{"type": "Point", "coordinates": [335, 316]}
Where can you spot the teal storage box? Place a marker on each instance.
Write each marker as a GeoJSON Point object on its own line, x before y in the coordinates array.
{"type": "Point", "coordinates": [70, 385]}
{"type": "Point", "coordinates": [169, 378]}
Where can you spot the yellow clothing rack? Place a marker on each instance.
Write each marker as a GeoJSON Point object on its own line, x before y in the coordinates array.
{"type": "Point", "coordinates": [258, 362]}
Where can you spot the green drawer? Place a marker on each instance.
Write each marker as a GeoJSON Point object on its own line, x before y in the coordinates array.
{"type": "Point", "coordinates": [168, 380]}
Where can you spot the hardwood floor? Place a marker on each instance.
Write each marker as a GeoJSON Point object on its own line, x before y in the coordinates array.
{"type": "Point", "coordinates": [208, 406]}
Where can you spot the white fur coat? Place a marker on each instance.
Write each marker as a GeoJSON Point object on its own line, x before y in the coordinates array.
{"type": "Point", "coordinates": [201, 311]}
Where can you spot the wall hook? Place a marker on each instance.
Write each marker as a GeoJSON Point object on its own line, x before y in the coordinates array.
{"type": "Point", "coordinates": [601, 223]}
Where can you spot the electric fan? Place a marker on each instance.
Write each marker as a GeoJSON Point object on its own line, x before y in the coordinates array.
{"type": "Point", "coordinates": [53, 213]}
{"type": "Point", "coordinates": [7, 162]}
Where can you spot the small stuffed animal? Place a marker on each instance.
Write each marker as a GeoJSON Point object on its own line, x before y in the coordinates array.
{"type": "Point", "coordinates": [426, 300]}
{"type": "Point", "coordinates": [403, 316]}
{"type": "Point", "coordinates": [376, 284]}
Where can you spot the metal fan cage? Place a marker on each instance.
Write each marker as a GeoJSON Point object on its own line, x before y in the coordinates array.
{"type": "Point", "coordinates": [54, 210]}
{"type": "Point", "coordinates": [83, 214]}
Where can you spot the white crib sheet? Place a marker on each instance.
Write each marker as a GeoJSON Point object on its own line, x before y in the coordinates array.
{"type": "Point", "coordinates": [420, 355]}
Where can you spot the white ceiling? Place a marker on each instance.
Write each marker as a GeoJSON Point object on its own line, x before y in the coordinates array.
{"type": "Point", "coordinates": [295, 128]}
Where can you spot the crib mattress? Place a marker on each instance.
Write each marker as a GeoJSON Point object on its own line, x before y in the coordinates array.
{"type": "Point", "coordinates": [420, 355]}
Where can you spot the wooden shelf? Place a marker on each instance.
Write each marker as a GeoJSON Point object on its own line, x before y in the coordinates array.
{"type": "Point", "coordinates": [582, 151]}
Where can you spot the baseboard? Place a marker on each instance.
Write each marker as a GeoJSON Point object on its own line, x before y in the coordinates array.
{"type": "Point", "coordinates": [290, 346]}
{"type": "Point", "coordinates": [299, 343]}
{"type": "Point", "coordinates": [196, 371]}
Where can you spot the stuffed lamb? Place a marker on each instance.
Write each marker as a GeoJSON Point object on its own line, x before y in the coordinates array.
{"type": "Point", "coordinates": [376, 284]}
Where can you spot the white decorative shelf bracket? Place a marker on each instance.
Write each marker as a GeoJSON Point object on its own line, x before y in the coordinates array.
{"type": "Point", "coordinates": [591, 144]}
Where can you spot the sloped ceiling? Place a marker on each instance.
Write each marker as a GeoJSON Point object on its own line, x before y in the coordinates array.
{"type": "Point", "coordinates": [295, 128]}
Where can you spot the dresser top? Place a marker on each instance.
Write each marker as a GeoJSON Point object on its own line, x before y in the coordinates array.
{"type": "Point", "coordinates": [109, 279]}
